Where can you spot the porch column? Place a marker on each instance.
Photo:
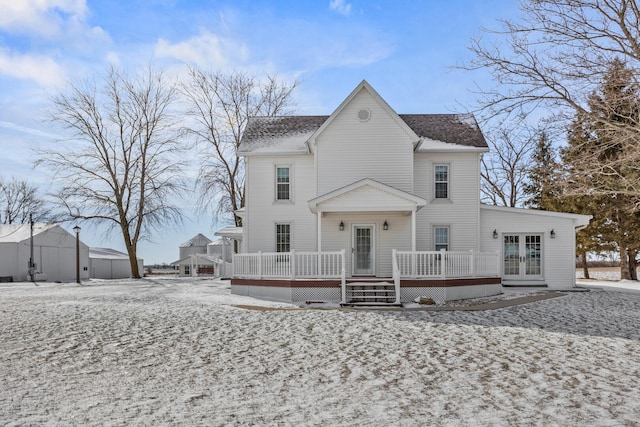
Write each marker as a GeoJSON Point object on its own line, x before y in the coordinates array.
{"type": "Point", "coordinates": [319, 227]}
{"type": "Point", "coordinates": [413, 230]}
{"type": "Point", "coordinates": [319, 257]}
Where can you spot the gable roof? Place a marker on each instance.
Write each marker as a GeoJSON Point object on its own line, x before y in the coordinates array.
{"type": "Point", "coordinates": [364, 85]}
{"type": "Point", "coordinates": [292, 134]}
{"type": "Point", "coordinates": [389, 198]}
{"type": "Point", "coordinates": [15, 233]}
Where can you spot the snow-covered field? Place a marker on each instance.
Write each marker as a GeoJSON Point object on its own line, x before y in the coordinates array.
{"type": "Point", "coordinates": [175, 351]}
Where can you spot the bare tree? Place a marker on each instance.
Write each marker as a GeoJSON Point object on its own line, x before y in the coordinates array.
{"type": "Point", "coordinates": [18, 199]}
{"type": "Point", "coordinates": [505, 168]}
{"type": "Point", "coordinates": [122, 164]}
{"type": "Point", "coordinates": [550, 62]}
{"type": "Point", "coordinates": [220, 106]}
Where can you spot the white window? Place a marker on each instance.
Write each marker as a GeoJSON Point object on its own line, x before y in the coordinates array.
{"type": "Point", "coordinates": [441, 238]}
{"type": "Point", "coordinates": [283, 183]}
{"type": "Point", "coordinates": [441, 179]}
{"type": "Point", "coordinates": [283, 237]}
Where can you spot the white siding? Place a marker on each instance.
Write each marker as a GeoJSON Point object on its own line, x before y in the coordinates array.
{"type": "Point", "coordinates": [263, 211]}
{"type": "Point", "coordinates": [54, 253]}
{"type": "Point", "coordinates": [349, 150]}
{"type": "Point", "coordinates": [558, 254]}
{"type": "Point", "coordinates": [398, 236]}
{"type": "Point", "coordinates": [460, 212]}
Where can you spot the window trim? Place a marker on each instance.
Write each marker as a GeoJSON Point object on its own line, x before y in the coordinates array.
{"type": "Point", "coordinates": [436, 182]}
{"type": "Point", "coordinates": [289, 183]}
{"type": "Point", "coordinates": [435, 237]}
{"type": "Point", "coordinates": [288, 224]}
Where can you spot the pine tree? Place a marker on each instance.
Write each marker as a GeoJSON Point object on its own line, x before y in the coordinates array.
{"type": "Point", "coordinates": [542, 189]}
{"type": "Point", "coordinates": [596, 158]}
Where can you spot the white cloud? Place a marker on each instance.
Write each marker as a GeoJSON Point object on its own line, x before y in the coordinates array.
{"type": "Point", "coordinates": [340, 6]}
{"type": "Point", "coordinates": [39, 68]}
{"type": "Point", "coordinates": [27, 130]}
{"type": "Point", "coordinates": [205, 50]}
{"type": "Point", "coordinates": [43, 17]}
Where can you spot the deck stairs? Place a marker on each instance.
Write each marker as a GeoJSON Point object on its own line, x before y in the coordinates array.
{"type": "Point", "coordinates": [370, 293]}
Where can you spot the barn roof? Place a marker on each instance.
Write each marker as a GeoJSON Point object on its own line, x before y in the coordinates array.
{"type": "Point", "coordinates": [14, 233]}
{"type": "Point", "coordinates": [107, 253]}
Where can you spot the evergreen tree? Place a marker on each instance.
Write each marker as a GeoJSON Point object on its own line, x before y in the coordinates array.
{"type": "Point", "coordinates": [596, 158]}
{"type": "Point", "coordinates": [542, 189]}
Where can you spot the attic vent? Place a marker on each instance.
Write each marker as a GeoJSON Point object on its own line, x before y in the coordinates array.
{"type": "Point", "coordinates": [364, 115]}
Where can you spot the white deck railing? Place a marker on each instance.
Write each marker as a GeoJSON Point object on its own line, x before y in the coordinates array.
{"type": "Point", "coordinates": [444, 264]}
{"type": "Point", "coordinates": [290, 265]}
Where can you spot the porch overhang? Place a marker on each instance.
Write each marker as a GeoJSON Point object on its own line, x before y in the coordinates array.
{"type": "Point", "coordinates": [366, 195]}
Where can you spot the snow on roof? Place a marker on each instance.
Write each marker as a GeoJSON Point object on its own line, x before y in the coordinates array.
{"type": "Point", "coordinates": [230, 232]}
{"type": "Point", "coordinates": [265, 135]}
{"type": "Point", "coordinates": [107, 253]}
{"type": "Point", "coordinates": [14, 233]}
{"type": "Point", "coordinates": [197, 240]}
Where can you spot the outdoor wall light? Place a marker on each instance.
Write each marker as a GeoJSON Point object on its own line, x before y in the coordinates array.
{"type": "Point", "coordinates": [341, 226]}
{"type": "Point", "coordinates": [495, 234]}
{"type": "Point", "coordinates": [385, 226]}
{"type": "Point", "coordinates": [553, 233]}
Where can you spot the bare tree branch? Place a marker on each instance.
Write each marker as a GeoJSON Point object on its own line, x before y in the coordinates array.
{"type": "Point", "coordinates": [122, 165]}
{"type": "Point", "coordinates": [220, 106]}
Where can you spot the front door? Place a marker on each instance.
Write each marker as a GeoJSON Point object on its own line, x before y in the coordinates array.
{"type": "Point", "coordinates": [363, 250]}
{"type": "Point", "coordinates": [522, 256]}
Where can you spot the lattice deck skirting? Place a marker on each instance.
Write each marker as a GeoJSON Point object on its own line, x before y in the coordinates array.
{"type": "Point", "coordinates": [329, 291]}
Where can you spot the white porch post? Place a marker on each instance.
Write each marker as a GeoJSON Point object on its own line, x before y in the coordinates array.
{"type": "Point", "coordinates": [413, 244]}
{"type": "Point", "coordinates": [413, 230]}
{"type": "Point", "coordinates": [319, 239]}
{"type": "Point", "coordinates": [224, 257]}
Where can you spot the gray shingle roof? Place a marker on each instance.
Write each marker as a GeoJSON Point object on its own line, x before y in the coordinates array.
{"type": "Point", "coordinates": [290, 133]}
{"type": "Point", "coordinates": [461, 129]}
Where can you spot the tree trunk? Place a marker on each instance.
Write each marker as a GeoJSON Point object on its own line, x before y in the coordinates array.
{"type": "Point", "coordinates": [624, 264]}
{"type": "Point", "coordinates": [585, 266]}
{"type": "Point", "coordinates": [633, 265]}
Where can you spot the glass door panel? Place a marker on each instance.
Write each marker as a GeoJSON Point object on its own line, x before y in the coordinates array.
{"type": "Point", "coordinates": [522, 256]}
{"type": "Point", "coordinates": [511, 255]}
{"type": "Point", "coordinates": [363, 250]}
{"type": "Point", "coordinates": [533, 260]}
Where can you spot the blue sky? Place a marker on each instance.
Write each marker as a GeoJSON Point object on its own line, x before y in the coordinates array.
{"type": "Point", "coordinates": [405, 49]}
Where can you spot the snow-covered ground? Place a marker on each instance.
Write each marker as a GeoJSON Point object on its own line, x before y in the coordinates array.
{"type": "Point", "coordinates": [177, 351]}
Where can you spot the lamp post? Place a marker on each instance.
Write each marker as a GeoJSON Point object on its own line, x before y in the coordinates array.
{"type": "Point", "coordinates": [77, 230]}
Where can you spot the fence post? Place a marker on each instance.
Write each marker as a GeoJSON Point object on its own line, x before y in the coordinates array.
{"type": "Point", "coordinates": [472, 263]}
{"type": "Point", "coordinates": [443, 272]}
{"type": "Point", "coordinates": [260, 264]}
{"type": "Point", "coordinates": [292, 262]}
{"type": "Point", "coordinates": [343, 275]}
{"type": "Point", "coordinates": [414, 264]}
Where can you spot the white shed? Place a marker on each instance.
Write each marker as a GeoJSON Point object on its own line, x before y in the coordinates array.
{"type": "Point", "coordinates": [106, 263]}
{"type": "Point", "coordinates": [54, 253]}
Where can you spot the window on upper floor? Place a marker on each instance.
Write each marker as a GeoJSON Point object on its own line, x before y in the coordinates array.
{"type": "Point", "coordinates": [283, 183]}
{"type": "Point", "coordinates": [283, 237]}
{"type": "Point", "coordinates": [441, 180]}
{"type": "Point", "coordinates": [441, 238]}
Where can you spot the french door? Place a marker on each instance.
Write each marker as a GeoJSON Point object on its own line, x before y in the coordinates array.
{"type": "Point", "coordinates": [363, 260]}
{"type": "Point", "coordinates": [522, 256]}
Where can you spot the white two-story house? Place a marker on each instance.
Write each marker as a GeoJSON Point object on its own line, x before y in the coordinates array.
{"type": "Point", "coordinates": [370, 206]}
